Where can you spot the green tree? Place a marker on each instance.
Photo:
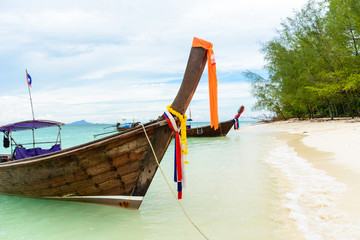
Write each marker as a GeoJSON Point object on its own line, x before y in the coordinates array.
{"type": "Point", "coordinates": [313, 62]}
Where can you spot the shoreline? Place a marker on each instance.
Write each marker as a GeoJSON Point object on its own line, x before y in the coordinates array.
{"type": "Point", "coordinates": [330, 147]}
{"type": "Point", "coordinates": [339, 137]}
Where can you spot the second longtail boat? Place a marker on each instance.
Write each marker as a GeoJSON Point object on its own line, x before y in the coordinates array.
{"type": "Point", "coordinates": [224, 127]}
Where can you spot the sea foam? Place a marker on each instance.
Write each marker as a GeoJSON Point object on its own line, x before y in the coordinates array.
{"type": "Point", "coordinates": [309, 197]}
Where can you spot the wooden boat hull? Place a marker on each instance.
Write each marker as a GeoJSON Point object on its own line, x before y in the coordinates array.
{"type": "Point", "coordinates": [116, 170]}
{"type": "Point", "coordinates": [103, 171]}
{"type": "Point", "coordinates": [208, 131]}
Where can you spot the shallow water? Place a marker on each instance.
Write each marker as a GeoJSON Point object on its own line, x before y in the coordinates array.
{"type": "Point", "coordinates": [230, 194]}
{"type": "Point", "coordinates": [251, 184]}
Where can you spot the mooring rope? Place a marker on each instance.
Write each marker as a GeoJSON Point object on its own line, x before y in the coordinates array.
{"type": "Point", "coordinates": [172, 191]}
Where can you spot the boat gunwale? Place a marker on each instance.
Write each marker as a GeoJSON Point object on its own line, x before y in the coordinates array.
{"type": "Point", "coordinates": [83, 146]}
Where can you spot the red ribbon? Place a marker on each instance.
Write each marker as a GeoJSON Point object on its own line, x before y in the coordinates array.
{"type": "Point", "coordinates": [177, 161]}
{"type": "Point", "coordinates": [178, 157]}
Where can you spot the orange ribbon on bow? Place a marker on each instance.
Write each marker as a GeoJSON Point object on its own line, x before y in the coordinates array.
{"type": "Point", "coordinates": [214, 119]}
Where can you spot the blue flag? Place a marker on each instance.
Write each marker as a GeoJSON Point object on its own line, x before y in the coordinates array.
{"type": "Point", "coordinates": [28, 79]}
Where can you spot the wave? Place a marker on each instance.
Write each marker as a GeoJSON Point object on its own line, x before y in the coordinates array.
{"type": "Point", "coordinates": [309, 197]}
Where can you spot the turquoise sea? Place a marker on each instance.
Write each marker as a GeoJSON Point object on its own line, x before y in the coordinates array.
{"type": "Point", "coordinates": [231, 194]}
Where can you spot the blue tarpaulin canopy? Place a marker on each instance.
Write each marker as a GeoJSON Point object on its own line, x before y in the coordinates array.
{"type": "Point", "coordinates": [30, 124]}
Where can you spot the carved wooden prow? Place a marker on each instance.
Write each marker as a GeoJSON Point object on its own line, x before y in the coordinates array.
{"type": "Point", "coordinates": [163, 136]}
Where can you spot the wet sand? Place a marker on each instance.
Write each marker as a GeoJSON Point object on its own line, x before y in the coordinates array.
{"type": "Point", "coordinates": [332, 146]}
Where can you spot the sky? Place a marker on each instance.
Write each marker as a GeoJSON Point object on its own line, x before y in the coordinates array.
{"type": "Point", "coordinates": [113, 60]}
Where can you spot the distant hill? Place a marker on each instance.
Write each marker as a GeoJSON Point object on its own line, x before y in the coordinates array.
{"type": "Point", "coordinates": [81, 122]}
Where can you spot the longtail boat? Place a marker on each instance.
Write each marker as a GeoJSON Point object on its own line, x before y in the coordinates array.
{"type": "Point", "coordinates": [119, 128]}
{"type": "Point", "coordinates": [115, 170]}
{"type": "Point", "coordinates": [209, 131]}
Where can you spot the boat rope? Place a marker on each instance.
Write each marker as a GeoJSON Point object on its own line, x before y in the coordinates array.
{"type": "Point", "coordinates": [167, 182]}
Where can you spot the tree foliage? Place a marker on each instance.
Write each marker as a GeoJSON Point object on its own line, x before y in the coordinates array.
{"type": "Point", "coordinates": [313, 63]}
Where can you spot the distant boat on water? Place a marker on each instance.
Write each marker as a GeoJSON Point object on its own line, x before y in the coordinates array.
{"type": "Point", "coordinates": [119, 127]}
{"type": "Point", "coordinates": [115, 170]}
{"type": "Point", "coordinates": [125, 126]}
{"type": "Point", "coordinates": [208, 131]}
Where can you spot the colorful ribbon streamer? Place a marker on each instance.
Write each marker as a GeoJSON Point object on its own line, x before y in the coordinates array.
{"type": "Point", "coordinates": [214, 119]}
{"type": "Point", "coordinates": [179, 168]}
{"type": "Point", "coordinates": [236, 123]}
{"type": "Point", "coordinates": [236, 118]}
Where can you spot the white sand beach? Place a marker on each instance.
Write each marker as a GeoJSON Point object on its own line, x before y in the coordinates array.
{"type": "Point", "coordinates": [322, 186]}
{"type": "Point", "coordinates": [339, 136]}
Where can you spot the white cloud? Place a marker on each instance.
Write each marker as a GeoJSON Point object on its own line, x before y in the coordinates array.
{"type": "Point", "coordinates": [110, 59]}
